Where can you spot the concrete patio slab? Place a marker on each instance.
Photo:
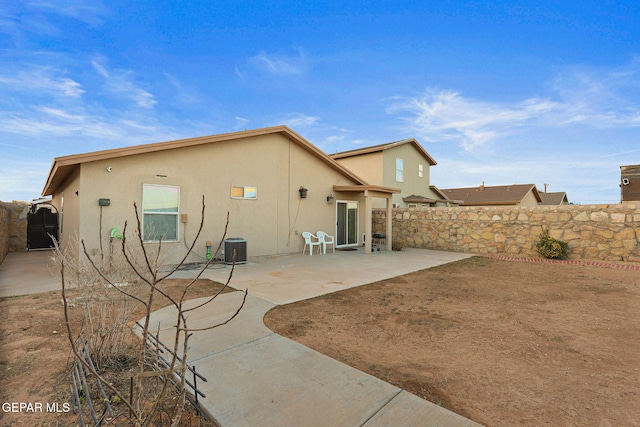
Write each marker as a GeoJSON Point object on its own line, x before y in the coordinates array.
{"type": "Point", "coordinates": [289, 278]}
{"type": "Point", "coordinates": [23, 273]}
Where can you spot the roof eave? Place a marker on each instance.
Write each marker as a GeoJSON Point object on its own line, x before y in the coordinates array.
{"type": "Point", "coordinates": [365, 187]}
{"type": "Point", "coordinates": [382, 147]}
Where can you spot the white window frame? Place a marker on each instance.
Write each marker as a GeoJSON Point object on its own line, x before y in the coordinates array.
{"type": "Point", "coordinates": [399, 169]}
{"type": "Point", "coordinates": [420, 170]}
{"type": "Point", "coordinates": [249, 192]}
{"type": "Point", "coordinates": [145, 213]}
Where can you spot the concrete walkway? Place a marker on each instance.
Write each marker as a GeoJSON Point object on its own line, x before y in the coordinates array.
{"type": "Point", "coordinates": [258, 378]}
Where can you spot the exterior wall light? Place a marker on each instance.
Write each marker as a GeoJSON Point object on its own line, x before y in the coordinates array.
{"type": "Point", "coordinates": [303, 192]}
{"type": "Point", "coordinates": [330, 198]}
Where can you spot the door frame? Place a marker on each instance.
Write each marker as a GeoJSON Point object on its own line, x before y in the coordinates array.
{"type": "Point", "coordinates": [346, 224]}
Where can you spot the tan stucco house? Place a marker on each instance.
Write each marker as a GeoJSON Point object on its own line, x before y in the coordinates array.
{"type": "Point", "coordinates": [498, 195]}
{"type": "Point", "coordinates": [402, 164]}
{"type": "Point", "coordinates": [258, 176]}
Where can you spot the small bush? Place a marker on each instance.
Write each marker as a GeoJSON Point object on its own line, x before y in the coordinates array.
{"type": "Point", "coordinates": [398, 245]}
{"type": "Point", "coordinates": [551, 248]}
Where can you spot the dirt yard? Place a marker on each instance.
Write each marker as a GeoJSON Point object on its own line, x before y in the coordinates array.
{"type": "Point", "coordinates": [35, 355]}
{"type": "Point", "coordinates": [503, 343]}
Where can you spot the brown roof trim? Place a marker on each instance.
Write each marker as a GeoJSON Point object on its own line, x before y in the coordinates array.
{"type": "Point", "coordinates": [414, 198]}
{"type": "Point", "coordinates": [438, 192]}
{"type": "Point", "coordinates": [382, 147]}
{"type": "Point", "coordinates": [502, 203]}
{"type": "Point", "coordinates": [365, 187]}
{"type": "Point", "coordinates": [62, 167]}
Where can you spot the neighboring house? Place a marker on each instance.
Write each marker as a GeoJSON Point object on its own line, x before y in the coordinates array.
{"type": "Point", "coordinates": [556, 198]}
{"type": "Point", "coordinates": [256, 176]}
{"type": "Point", "coordinates": [630, 183]}
{"type": "Point", "coordinates": [501, 195]}
{"type": "Point", "coordinates": [417, 201]}
{"type": "Point", "coordinates": [403, 164]}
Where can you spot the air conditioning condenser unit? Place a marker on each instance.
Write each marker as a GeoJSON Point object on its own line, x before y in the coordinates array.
{"type": "Point", "coordinates": [237, 246]}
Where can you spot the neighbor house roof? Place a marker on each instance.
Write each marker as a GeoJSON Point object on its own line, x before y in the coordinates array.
{"type": "Point", "coordinates": [438, 192]}
{"type": "Point", "coordinates": [494, 195]}
{"type": "Point", "coordinates": [382, 147]}
{"type": "Point", "coordinates": [417, 198]}
{"type": "Point", "coordinates": [62, 167]}
{"type": "Point", "coordinates": [556, 198]}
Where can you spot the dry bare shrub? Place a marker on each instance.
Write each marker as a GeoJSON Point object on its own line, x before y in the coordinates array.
{"type": "Point", "coordinates": [108, 289]}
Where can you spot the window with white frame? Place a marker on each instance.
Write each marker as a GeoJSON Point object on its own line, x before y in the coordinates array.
{"type": "Point", "coordinates": [160, 211]}
{"type": "Point", "coordinates": [420, 170]}
{"type": "Point", "coordinates": [399, 170]}
{"type": "Point", "coordinates": [244, 193]}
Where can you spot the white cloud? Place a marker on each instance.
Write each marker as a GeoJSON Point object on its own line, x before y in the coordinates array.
{"type": "Point", "coordinates": [298, 120]}
{"type": "Point", "coordinates": [599, 97]}
{"type": "Point", "coordinates": [280, 65]}
{"type": "Point", "coordinates": [91, 12]}
{"type": "Point", "coordinates": [42, 79]}
{"type": "Point", "coordinates": [241, 123]}
{"type": "Point", "coordinates": [47, 122]}
{"type": "Point", "coordinates": [22, 180]}
{"type": "Point", "coordinates": [120, 83]}
{"type": "Point", "coordinates": [443, 115]}
{"type": "Point", "coordinates": [183, 95]}
{"type": "Point", "coordinates": [579, 96]}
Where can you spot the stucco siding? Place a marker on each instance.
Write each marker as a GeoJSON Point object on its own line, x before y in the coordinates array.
{"type": "Point", "coordinates": [368, 166]}
{"type": "Point", "coordinates": [412, 183]}
{"type": "Point", "coordinates": [67, 202]}
{"type": "Point", "coordinates": [529, 200]}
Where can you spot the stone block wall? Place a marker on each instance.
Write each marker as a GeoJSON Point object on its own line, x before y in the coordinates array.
{"type": "Point", "coordinates": [13, 227]}
{"type": "Point", "coordinates": [598, 232]}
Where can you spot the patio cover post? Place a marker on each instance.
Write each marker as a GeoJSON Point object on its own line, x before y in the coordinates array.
{"type": "Point", "coordinates": [367, 222]}
{"type": "Point", "coordinates": [389, 230]}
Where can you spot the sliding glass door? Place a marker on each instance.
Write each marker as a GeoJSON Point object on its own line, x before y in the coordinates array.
{"type": "Point", "coordinates": [347, 223]}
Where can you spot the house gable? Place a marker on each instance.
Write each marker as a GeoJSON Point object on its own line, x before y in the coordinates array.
{"type": "Point", "coordinates": [555, 198]}
{"type": "Point", "coordinates": [403, 164]}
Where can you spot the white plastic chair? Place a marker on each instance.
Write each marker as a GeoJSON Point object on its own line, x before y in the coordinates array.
{"type": "Point", "coordinates": [308, 241]}
{"type": "Point", "coordinates": [325, 240]}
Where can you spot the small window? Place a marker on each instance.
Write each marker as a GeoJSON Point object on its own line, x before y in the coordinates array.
{"type": "Point", "coordinates": [160, 211]}
{"type": "Point", "coordinates": [412, 205]}
{"type": "Point", "coordinates": [244, 193]}
{"type": "Point", "coordinates": [420, 171]}
{"type": "Point", "coordinates": [399, 170]}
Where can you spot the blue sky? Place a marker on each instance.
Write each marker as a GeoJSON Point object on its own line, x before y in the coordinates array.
{"type": "Point", "coordinates": [501, 92]}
